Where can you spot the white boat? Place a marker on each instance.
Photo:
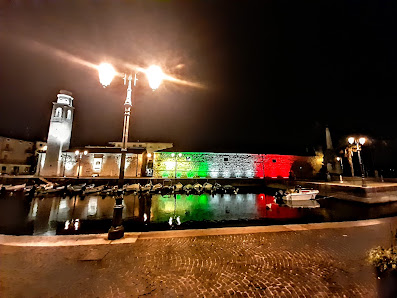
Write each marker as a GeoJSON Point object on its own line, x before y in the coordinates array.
{"type": "Point", "coordinates": [157, 187]}
{"type": "Point", "coordinates": [178, 187]}
{"type": "Point", "coordinates": [198, 188]}
{"type": "Point", "coordinates": [298, 194]}
{"type": "Point", "coordinates": [207, 187]}
{"type": "Point", "coordinates": [302, 203]}
{"type": "Point", "coordinates": [15, 187]}
{"type": "Point", "coordinates": [133, 187]}
{"type": "Point", "coordinates": [93, 189]}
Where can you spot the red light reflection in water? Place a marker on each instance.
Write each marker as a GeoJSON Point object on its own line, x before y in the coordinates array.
{"type": "Point", "coordinates": [267, 208]}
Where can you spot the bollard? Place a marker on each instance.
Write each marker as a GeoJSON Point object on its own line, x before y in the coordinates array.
{"type": "Point", "coordinates": [116, 231]}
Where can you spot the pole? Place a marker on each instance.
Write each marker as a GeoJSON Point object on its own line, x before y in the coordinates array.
{"type": "Point", "coordinates": [116, 231]}
{"type": "Point", "coordinates": [78, 166]}
{"type": "Point", "coordinates": [361, 166]}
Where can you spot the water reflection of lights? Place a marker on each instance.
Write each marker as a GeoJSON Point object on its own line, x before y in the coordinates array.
{"type": "Point", "coordinates": [72, 224]}
{"type": "Point", "coordinates": [34, 211]}
{"type": "Point", "coordinates": [92, 206]}
{"type": "Point", "coordinates": [174, 220]}
{"type": "Point", "coordinates": [63, 204]}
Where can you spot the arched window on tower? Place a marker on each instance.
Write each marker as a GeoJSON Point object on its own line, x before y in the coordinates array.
{"type": "Point", "coordinates": [58, 112]}
{"type": "Point", "coordinates": [69, 115]}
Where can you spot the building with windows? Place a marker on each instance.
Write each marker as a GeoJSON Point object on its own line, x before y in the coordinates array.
{"type": "Point", "coordinates": [17, 156]}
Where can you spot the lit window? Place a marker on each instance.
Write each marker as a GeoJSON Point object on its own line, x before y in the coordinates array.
{"type": "Point", "coordinates": [58, 112]}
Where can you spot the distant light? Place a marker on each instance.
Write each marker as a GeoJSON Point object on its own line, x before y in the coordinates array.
{"type": "Point", "coordinates": [85, 152]}
{"type": "Point", "coordinates": [362, 141]}
{"type": "Point", "coordinates": [149, 155]}
{"type": "Point", "coordinates": [350, 140]}
{"type": "Point", "coordinates": [172, 154]}
{"type": "Point", "coordinates": [180, 154]}
{"type": "Point", "coordinates": [67, 223]}
{"type": "Point", "coordinates": [155, 76]}
{"type": "Point", "coordinates": [106, 74]}
{"type": "Point", "coordinates": [77, 152]}
{"type": "Point", "coordinates": [338, 158]}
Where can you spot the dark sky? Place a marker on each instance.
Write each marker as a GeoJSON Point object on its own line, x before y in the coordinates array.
{"type": "Point", "coordinates": [275, 72]}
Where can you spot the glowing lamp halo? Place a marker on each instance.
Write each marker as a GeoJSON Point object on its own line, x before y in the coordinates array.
{"type": "Point", "coordinates": [106, 73]}
{"type": "Point", "coordinates": [155, 76]}
{"type": "Point", "coordinates": [350, 140]}
{"type": "Point", "coordinates": [362, 141]}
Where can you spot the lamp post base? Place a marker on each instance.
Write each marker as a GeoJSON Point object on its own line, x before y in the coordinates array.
{"type": "Point", "coordinates": [116, 233]}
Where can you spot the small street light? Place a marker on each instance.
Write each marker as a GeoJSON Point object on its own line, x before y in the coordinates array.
{"type": "Point", "coordinates": [356, 145]}
{"type": "Point", "coordinates": [79, 156]}
{"type": "Point", "coordinates": [106, 74]}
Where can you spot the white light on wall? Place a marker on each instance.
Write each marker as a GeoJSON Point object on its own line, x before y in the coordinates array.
{"type": "Point", "coordinates": [69, 165]}
{"type": "Point", "coordinates": [226, 174]}
{"type": "Point", "coordinates": [97, 164]}
{"type": "Point", "coordinates": [214, 174]}
{"type": "Point", "coordinates": [169, 165]}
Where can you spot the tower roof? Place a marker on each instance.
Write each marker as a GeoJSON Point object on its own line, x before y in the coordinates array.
{"type": "Point", "coordinates": [65, 92]}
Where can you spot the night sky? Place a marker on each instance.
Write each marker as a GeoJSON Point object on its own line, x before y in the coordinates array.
{"type": "Point", "coordinates": [275, 73]}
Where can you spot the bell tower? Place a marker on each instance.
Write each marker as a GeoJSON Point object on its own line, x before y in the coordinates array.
{"type": "Point", "coordinates": [59, 133]}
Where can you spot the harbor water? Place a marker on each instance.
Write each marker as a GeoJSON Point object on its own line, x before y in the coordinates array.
{"type": "Point", "coordinates": [53, 215]}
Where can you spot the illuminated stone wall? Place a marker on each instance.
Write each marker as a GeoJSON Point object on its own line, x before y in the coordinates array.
{"type": "Point", "coordinates": [232, 165]}
{"type": "Point", "coordinates": [109, 165]}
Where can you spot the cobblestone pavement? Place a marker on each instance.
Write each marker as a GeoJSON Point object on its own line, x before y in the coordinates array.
{"type": "Point", "coordinates": [308, 263]}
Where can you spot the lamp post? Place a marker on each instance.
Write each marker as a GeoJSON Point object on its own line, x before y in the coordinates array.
{"type": "Point", "coordinates": [106, 74]}
{"type": "Point", "coordinates": [358, 143]}
{"type": "Point", "coordinates": [79, 156]}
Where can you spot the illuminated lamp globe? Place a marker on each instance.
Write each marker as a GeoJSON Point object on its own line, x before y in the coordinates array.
{"type": "Point", "coordinates": [350, 140]}
{"type": "Point", "coordinates": [77, 152]}
{"type": "Point", "coordinates": [361, 141]}
{"type": "Point", "coordinates": [85, 152]}
{"type": "Point", "coordinates": [106, 74]}
{"type": "Point", "coordinates": [155, 76]}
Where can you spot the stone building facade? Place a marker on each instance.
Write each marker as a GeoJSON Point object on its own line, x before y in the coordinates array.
{"type": "Point", "coordinates": [100, 162]}
{"type": "Point", "coordinates": [16, 156]}
{"type": "Point", "coordinates": [233, 165]}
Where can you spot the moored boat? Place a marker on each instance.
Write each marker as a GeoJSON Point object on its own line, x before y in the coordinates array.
{"type": "Point", "coordinates": [299, 193]}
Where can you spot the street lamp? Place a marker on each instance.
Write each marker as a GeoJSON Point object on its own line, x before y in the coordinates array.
{"type": "Point", "coordinates": [106, 74]}
{"type": "Point", "coordinates": [79, 156]}
{"type": "Point", "coordinates": [358, 143]}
